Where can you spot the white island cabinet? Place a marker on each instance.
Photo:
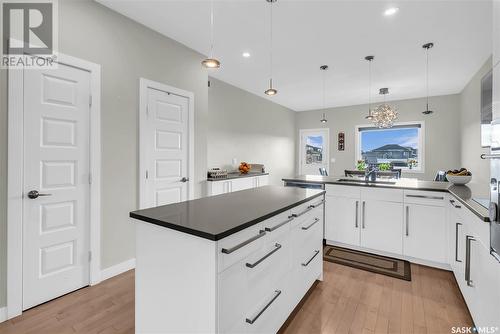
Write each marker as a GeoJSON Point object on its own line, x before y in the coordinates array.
{"type": "Point", "coordinates": [242, 269]}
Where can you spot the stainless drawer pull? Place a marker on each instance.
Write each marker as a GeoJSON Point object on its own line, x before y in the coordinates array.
{"type": "Point", "coordinates": [309, 208]}
{"type": "Point", "coordinates": [244, 243]}
{"type": "Point", "coordinates": [277, 293]}
{"type": "Point", "coordinates": [468, 240]}
{"type": "Point", "coordinates": [425, 196]}
{"type": "Point", "coordinates": [253, 265]}
{"type": "Point", "coordinates": [308, 227]}
{"type": "Point", "coordinates": [456, 242]}
{"type": "Point", "coordinates": [270, 229]}
{"type": "Point", "coordinates": [452, 201]}
{"type": "Point", "coordinates": [363, 224]}
{"type": "Point", "coordinates": [317, 204]}
{"type": "Point", "coordinates": [307, 263]}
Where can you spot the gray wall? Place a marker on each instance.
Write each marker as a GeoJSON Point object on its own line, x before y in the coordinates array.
{"type": "Point", "coordinates": [250, 128]}
{"type": "Point", "coordinates": [126, 51]}
{"type": "Point", "coordinates": [470, 145]}
{"type": "Point", "coordinates": [442, 140]}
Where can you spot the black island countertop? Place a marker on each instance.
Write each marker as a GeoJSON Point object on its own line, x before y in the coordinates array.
{"type": "Point", "coordinates": [217, 217]}
{"type": "Point", "coordinates": [464, 194]}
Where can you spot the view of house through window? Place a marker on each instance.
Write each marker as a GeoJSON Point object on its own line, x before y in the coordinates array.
{"type": "Point", "coordinates": [399, 147]}
{"type": "Point", "coordinates": [314, 149]}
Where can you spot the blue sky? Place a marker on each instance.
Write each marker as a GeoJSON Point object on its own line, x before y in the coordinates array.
{"type": "Point", "coordinates": [316, 141]}
{"type": "Point", "coordinates": [377, 138]}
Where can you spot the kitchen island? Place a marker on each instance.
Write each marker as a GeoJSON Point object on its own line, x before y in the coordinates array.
{"type": "Point", "coordinates": [237, 262]}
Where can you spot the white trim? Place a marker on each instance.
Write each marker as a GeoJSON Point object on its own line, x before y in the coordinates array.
{"type": "Point", "coordinates": [421, 144]}
{"type": "Point", "coordinates": [143, 104]}
{"type": "Point", "coordinates": [15, 180]}
{"type": "Point", "coordinates": [327, 155]}
{"type": "Point", "coordinates": [3, 314]}
{"type": "Point", "coordinates": [117, 269]}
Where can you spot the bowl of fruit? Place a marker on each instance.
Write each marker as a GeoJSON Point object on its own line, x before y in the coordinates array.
{"type": "Point", "coordinates": [459, 176]}
{"type": "Point", "coordinates": [244, 168]}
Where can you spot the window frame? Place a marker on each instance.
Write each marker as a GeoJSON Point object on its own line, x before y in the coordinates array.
{"type": "Point", "coordinates": [421, 144]}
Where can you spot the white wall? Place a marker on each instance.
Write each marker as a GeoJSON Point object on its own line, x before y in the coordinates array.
{"type": "Point", "coordinates": [250, 128]}
{"type": "Point", "coordinates": [470, 140]}
{"type": "Point", "coordinates": [126, 51]}
{"type": "Point", "coordinates": [442, 135]}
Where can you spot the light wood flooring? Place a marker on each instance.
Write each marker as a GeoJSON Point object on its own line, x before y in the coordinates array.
{"type": "Point", "coordinates": [347, 301]}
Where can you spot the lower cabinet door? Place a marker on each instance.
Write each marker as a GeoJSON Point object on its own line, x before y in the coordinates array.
{"type": "Point", "coordinates": [382, 225]}
{"type": "Point", "coordinates": [342, 220]}
{"type": "Point", "coordinates": [424, 232]}
{"type": "Point", "coordinates": [242, 184]}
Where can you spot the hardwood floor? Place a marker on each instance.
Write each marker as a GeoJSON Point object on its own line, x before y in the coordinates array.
{"type": "Point", "coordinates": [347, 301]}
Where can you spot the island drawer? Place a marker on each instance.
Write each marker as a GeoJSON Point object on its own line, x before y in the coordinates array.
{"type": "Point", "coordinates": [307, 211]}
{"type": "Point", "coordinates": [249, 281]}
{"type": "Point", "coordinates": [277, 225]}
{"type": "Point", "coordinates": [425, 197]}
{"type": "Point", "coordinates": [238, 246]}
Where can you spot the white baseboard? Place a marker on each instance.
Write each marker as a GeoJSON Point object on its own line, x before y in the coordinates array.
{"type": "Point", "coordinates": [117, 269]}
{"type": "Point", "coordinates": [3, 314]}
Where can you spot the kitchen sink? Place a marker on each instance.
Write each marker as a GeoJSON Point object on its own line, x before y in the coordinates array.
{"type": "Point", "coordinates": [360, 180]}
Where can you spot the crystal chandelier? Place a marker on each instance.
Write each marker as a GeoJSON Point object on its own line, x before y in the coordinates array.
{"type": "Point", "coordinates": [384, 115]}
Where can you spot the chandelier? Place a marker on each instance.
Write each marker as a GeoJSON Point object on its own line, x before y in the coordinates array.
{"type": "Point", "coordinates": [384, 115]}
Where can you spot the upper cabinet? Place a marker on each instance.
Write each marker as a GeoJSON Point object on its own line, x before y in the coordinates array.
{"type": "Point", "coordinates": [496, 32]}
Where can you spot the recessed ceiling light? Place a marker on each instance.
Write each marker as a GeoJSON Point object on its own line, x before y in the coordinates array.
{"type": "Point", "coordinates": [246, 54]}
{"type": "Point", "coordinates": [391, 11]}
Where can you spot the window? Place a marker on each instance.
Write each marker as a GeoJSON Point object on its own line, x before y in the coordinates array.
{"type": "Point", "coordinates": [400, 147]}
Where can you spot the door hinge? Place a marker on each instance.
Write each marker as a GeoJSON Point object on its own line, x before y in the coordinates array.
{"type": "Point", "coordinates": [90, 100]}
{"type": "Point", "coordinates": [147, 174]}
{"type": "Point", "coordinates": [90, 178]}
{"type": "Point", "coordinates": [90, 256]}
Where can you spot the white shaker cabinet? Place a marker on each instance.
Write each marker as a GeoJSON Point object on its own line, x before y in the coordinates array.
{"type": "Point", "coordinates": [381, 227]}
{"type": "Point", "coordinates": [222, 186]}
{"type": "Point", "coordinates": [343, 215]}
{"type": "Point", "coordinates": [425, 224]}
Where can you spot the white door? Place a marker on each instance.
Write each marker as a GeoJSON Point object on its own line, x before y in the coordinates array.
{"type": "Point", "coordinates": [425, 225]}
{"type": "Point", "coordinates": [342, 220]}
{"type": "Point", "coordinates": [166, 148]}
{"type": "Point", "coordinates": [381, 226]}
{"type": "Point", "coordinates": [56, 165]}
{"type": "Point", "coordinates": [314, 151]}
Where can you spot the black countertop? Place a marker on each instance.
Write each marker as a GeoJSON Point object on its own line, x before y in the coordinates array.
{"type": "Point", "coordinates": [231, 176]}
{"type": "Point", "coordinates": [217, 217]}
{"type": "Point", "coordinates": [464, 194]}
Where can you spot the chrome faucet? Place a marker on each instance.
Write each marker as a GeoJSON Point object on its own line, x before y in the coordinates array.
{"type": "Point", "coordinates": [371, 174]}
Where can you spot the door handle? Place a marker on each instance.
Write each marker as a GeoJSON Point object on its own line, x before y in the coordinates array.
{"type": "Point", "coordinates": [456, 242]}
{"type": "Point", "coordinates": [363, 215]}
{"type": "Point", "coordinates": [468, 240]}
{"type": "Point", "coordinates": [35, 194]}
{"type": "Point", "coordinates": [407, 220]}
{"type": "Point", "coordinates": [356, 225]}
{"type": "Point", "coordinates": [185, 179]}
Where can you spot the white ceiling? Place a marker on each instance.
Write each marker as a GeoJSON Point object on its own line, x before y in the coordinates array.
{"type": "Point", "coordinates": [310, 33]}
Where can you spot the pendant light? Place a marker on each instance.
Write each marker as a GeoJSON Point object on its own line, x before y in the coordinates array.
{"type": "Point", "coordinates": [271, 91]}
{"type": "Point", "coordinates": [211, 62]}
{"type": "Point", "coordinates": [369, 59]}
{"type": "Point", "coordinates": [324, 68]}
{"type": "Point", "coordinates": [384, 115]}
{"type": "Point", "coordinates": [427, 46]}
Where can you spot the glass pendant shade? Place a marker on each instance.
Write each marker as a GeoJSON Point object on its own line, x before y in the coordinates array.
{"type": "Point", "coordinates": [210, 63]}
{"type": "Point", "coordinates": [271, 91]}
